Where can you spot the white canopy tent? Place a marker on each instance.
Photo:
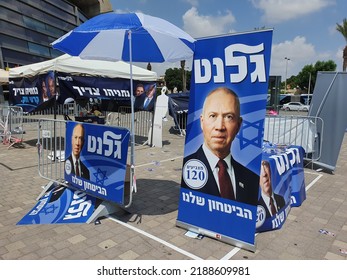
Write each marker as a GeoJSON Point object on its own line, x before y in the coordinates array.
{"type": "Point", "coordinates": [3, 77]}
{"type": "Point", "coordinates": [77, 66]}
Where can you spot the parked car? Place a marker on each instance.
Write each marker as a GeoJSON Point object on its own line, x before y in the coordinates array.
{"type": "Point", "coordinates": [295, 106]}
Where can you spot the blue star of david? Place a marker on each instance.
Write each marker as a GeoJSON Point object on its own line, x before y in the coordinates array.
{"type": "Point", "coordinates": [250, 127]}
{"type": "Point", "coordinates": [50, 210]}
{"type": "Point", "coordinates": [100, 177]}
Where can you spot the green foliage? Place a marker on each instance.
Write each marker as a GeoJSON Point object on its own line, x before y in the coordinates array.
{"type": "Point", "coordinates": [342, 28]}
{"type": "Point", "coordinates": [302, 80]}
{"type": "Point", "coordinates": [305, 80]}
{"type": "Point", "coordinates": [174, 78]}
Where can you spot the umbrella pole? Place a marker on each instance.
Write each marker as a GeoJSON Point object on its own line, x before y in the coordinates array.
{"type": "Point", "coordinates": [132, 132]}
{"type": "Point", "coordinates": [132, 161]}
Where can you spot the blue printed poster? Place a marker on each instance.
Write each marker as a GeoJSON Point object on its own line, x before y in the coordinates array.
{"type": "Point", "coordinates": [96, 159]}
{"type": "Point", "coordinates": [223, 147]}
{"type": "Point", "coordinates": [285, 177]}
{"type": "Point", "coordinates": [61, 205]}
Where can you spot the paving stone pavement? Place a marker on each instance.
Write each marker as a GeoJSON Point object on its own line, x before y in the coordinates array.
{"type": "Point", "coordinates": [147, 229]}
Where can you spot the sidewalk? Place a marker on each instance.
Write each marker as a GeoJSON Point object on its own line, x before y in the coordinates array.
{"type": "Point", "coordinates": [147, 230]}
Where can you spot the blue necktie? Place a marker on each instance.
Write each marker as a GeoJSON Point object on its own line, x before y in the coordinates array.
{"type": "Point", "coordinates": [146, 103]}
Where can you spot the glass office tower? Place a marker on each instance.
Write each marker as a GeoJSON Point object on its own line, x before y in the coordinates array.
{"type": "Point", "coordinates": [27, 27]}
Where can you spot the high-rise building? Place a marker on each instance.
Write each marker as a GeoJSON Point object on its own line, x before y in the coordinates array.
{"type": "Point", "coordinates": [27, 27]}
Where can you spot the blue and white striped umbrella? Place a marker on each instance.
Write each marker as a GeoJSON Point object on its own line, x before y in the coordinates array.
{"type": "Point", "coordinates": [133, 37]}
{"type": "Point", "coordinates": [106, 37]}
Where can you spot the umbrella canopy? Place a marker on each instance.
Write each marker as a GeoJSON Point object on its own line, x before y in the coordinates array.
{"type": "Point", "coordinates": [133, 37]}
{"type": "Point", "coordinates": [105, 37]}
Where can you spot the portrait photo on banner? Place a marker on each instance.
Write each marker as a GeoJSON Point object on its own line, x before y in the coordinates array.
{"type": "Point", "coordinates": [223, 175]}
{"type": "Point", "coordinates": [223, 146]}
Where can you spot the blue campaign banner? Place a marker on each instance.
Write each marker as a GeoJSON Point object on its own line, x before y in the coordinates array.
{"type": "Point", "coordinates": [32, 93]}
{"type": "Point", "coordinates": [284, 182]}
{"type": "Point", "coordinates": [96, 159]}
{"type": "Point", "coordinates": [61, 205]}
{"type": "Point", "coordinates": [222, 216]}
{"type": "Point", "coordinates": [298, 194]}
{"type": "Point", "coordinates": [230, 78]}
{"type": "Point", "coordinates": [112, 92]}
{"type": "Point", "coordinates": [93, 87]}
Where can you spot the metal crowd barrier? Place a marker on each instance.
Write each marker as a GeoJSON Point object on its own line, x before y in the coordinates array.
{"type": "Point", "coordinates": [302, 131]}
{"type": "Point", "coordinates": [11, 125]}
{"type": "Point", "coordinates": [51, 139]}
{"type": "Point", "coordinates": [181, 121]}
{"type": "Point", "coordinates": [51, 145]}
{"type": "Point", "coordinates": [51, 149]}
{"type": "Point", "coordinates": [70, 109]}
{"type": "Point", "coordinates": [143, 121]}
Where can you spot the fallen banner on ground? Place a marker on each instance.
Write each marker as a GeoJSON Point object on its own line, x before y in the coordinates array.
{"type": "Point", "coordinates": [61, 205]}
{"type": "Point", "coordinates": [298, 188]}
{"type": "Point", "coordinates": [284, 182]}
{"type": "Point", "coordinates": [94, 176]}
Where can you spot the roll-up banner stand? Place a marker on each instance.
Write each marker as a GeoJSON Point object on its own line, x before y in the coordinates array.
{"type": "Point", "coordinates": [240, 63]}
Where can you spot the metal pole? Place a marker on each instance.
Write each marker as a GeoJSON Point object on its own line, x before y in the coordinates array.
{"type": "Point", "coordinates": [132, 136]}
{"type": "Point", "coordinates": [285, 82]}
{"type": "Point", "coordinates": [132, 133]}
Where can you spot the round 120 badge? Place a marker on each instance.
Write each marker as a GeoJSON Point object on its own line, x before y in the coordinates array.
{"type": "Point", "coordinates": [261, 216]}
{"type": "Point", "coordinates": [195, 174]}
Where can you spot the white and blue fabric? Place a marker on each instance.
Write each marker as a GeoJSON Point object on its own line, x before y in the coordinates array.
{"type": "Point", "coordinates": [132, 37]}
{"type": "Point", "coordinates": [105, 37]}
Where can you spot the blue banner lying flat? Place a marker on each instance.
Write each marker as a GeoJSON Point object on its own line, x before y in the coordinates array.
{"type": "Point", "coordinates": [61, 206]}
{"type": "Point", "coordinates": [101, 154]}
{"type": "Point", "coordinates": [220, 181]}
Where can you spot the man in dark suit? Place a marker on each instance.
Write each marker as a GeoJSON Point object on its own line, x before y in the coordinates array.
{"type": "Point", "coordinates": [145, 102]}
{"type": "Point", "coordinates": [271, 201]}
{"type": "Point", "coordinates": [220, 174]}
{"type": "Point", "coordinates": [77, 142]}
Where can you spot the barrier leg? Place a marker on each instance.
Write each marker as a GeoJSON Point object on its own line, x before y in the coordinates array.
{"type": "Point", "coordinates": [104, 209]}
{"type": "Point", "coordinates": [47, 188]}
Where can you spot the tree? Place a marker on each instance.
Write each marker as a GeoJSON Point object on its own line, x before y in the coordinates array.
{"type": "Point", "coordinates": [342, 28]}
{"type": "Point", "coordinates": [174, 78]}
{"type": "Point", "coordinates": [306, 79]}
